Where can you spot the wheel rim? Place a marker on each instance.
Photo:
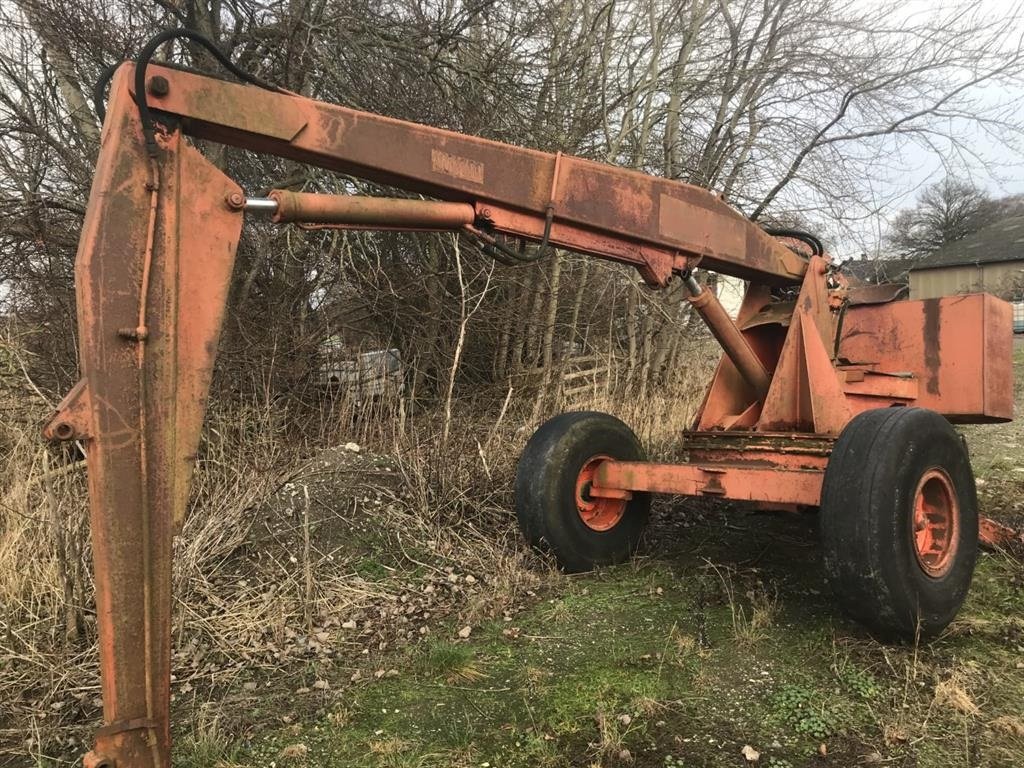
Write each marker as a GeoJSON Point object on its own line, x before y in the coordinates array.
{"type": "Point", "coordinates": [936, 522]}
{"type": "Point", "coordinates": [597, 513]}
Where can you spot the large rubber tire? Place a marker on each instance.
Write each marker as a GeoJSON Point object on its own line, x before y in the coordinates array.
{"type": "Point", "coordinates": [885, 464]}
{"type": "Point", "coordinates": [546, 490]}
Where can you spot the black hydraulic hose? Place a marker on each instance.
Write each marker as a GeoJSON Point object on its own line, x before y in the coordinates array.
{"type": "Point", "coordinates": [805, 237]}
{"type": "Point", "coordinates": [146, 55]}
{"type": "Point", "coordinates": [99, 90]}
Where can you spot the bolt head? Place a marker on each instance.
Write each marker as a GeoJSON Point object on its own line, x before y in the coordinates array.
{"type": "Point", "coordinates": [96, 760]}
{"type": "Point", "coordinates": [158, 86]}
{"type": "Point", "coordinates": [236, 200]}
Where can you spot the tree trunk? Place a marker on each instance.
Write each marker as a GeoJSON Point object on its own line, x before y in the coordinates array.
{"type": "Point", "coordinates": [547, 349]}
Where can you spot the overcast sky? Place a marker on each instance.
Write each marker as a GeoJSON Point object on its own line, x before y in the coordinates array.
{"type": "Point", "coordinates": [997, 162]}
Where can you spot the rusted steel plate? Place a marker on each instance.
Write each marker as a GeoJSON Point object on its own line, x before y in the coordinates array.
{"type": "Point", "coordinates": [73, 417]}
{"type": "Point", "coordinates": [793, 450]}
{"type": "Point", "coordinates": [998, 536]}
{"type": "Point", "coordinates": [756, 443]}
{"type": "Point", "coordinates": [805, 394]}
{"type": "Point", "coordinates": [882, 293]}
{"type": "Point", "coordinates": [786, 483]}
{"type": "Point", "coordinates": [140, 406]}
{"type": "Point", "coordinates": [601, 199]}
{"type": "Point", "coordinates": [892, 389]}
{"type": "Point", "coordinates": [959, 350]}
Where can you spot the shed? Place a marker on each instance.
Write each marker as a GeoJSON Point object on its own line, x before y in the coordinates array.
{"type": "Point", "coordinates": [991, 260]}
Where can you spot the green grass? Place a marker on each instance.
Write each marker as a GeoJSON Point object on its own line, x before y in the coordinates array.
{"type": "Point", "coordinates": [648, 659]}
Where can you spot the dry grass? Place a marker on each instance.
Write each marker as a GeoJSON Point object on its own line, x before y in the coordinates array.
{"type": "Point", "coordinates": [1008, 725]}
{"type": "Point", "coordinates": [751, 620]}
{"type": "Point", "coordinates": [611, 743]}
{"type": "Point", "coordinates": [44, 582]}
{"type": "Point", "coordinates": [657, 414]}
{"type": "Point", "coordinates": [450, 513]}
{"type": "Point", "coordinates": [952, 693]}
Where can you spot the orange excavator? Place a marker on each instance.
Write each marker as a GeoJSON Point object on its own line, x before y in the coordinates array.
{"type": "Point", "coordinates": [824, 398]}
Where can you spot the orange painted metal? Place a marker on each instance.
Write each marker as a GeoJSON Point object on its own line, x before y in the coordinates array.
{"type": "Point", "coordinates": [730, 402]}
{"type": "Point", "coordinates": [998, 536]}
{"type": "Point", "coordinates": [73, 417]}
{"type": "Point", "coordinates": [805, 394]}
{"type": "Point", "coordinates": [352, 212]}
{"type": "Point", "coordinates": [954, 355]}
{"type": "Point", "coordinates": [936, 523]}
{"type": "Point", "coordinates": [600, 513]}
{"type": "Point", "coordinates": [736, 347]}
{"type": "Point", "coordinates": [656, 224]}
{"type": "Point", "coordinates": [140, 405]}
{"type": "Point", "coordinates": [790, 450]}
{"type": "Point", "coordinates": [741, 481]}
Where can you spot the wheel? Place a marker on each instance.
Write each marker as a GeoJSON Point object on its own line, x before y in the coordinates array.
{"type": "Point", "coordinates": [553, 505]}
{"type": "Point", "coordinates": [899, 522]}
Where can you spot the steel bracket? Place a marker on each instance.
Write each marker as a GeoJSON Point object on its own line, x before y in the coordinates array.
{"type": "Point", "coordinates": [73, 419]}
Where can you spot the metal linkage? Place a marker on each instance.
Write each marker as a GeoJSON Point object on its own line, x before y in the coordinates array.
{"type": "Point", "coordinates": [729, 336]}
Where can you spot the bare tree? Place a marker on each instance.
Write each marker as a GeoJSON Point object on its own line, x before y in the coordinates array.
{"type": "Point", "coordinates": [789, 108]}
{"type": "Point", "coordinates": [945, 212]}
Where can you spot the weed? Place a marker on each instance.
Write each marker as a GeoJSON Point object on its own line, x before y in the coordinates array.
{"type": "Point", "coordinates": [611, 734]}
{"type": "Point", "coordinates": [539, 750]}
{"type": "Point", "coordinates": [339, 717]}
{"type": "Point", "coordinates": [750, 623]}
{"type": "Point", "coordinates": [682, 644]}
{"type": "Point", "coordinates": [805, 712]}
{"type": "Point", "coordinates": [451, 662]}
{"type": "Point", "coordinates": [859, 682]}
{"type": "Point", "coordinates": [951, 693]}
{"type": "Point", "coordinates": [205, 745]}
{"type": "Point", "coordinates": [390, 747]}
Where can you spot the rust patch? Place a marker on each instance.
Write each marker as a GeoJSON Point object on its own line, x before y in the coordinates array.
{"type": "Point", "coordinates": [691, 225]}
{"type": "Point", "coordinates": [932, 309]}
{"type": "Point", "coordinates": [457, 167]}
{"type": "Point", "coordinates": [73, 419]}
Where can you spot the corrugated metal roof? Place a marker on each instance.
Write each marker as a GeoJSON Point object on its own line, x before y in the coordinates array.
{"type": "Point", "coordinates": [1002, 241]}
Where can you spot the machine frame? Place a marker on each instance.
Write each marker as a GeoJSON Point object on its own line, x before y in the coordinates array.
{"type": "Point", "coordinates": [805, 356]}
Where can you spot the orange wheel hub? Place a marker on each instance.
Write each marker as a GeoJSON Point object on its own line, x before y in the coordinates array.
{"type": "Point", "coordinates": [936, 522]}
{"type": "Point", "coordinates": [598, 513]}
